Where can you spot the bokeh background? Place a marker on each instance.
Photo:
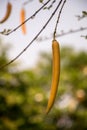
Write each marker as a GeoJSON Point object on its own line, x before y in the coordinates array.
{"type": "Point", "coordinates": [25, 84]}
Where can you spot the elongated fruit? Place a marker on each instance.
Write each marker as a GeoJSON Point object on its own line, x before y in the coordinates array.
{"type": "Point", "coordinates": [55, 74]}
{"type": "Point", "coordinates": [22, 19]}
{"type": "Point", "coordinates": [8, 12]}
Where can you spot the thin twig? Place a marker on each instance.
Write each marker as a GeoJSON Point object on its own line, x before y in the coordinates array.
{"type": "Point", "coordinates": [50, 6]}
{"type": "Point", "coordinates": [3, 66]}
{"type": "Point", "coordinates": [26, 2]}
{"type": "Point", "coordinates": [54, 34]}
{"type": "Point", "coordinates": [72, 31]}
{"type": "Point", "coordinates": [63, 33]}
{"type": "Point", "coordinates": [27, 19]}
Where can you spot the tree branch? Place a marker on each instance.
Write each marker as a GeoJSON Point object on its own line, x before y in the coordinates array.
{"type": "Point", "coordinates": [63, 33]}
{"type": "Point", "coordinates": [54, 34]}
{"type": "Point", "coordinates": [31, 17]}
{"type": "Point", "coordinates": [3, 66]}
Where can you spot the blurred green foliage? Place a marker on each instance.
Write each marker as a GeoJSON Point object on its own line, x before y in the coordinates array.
{"type": "Point", "coordinates": [24, 94]}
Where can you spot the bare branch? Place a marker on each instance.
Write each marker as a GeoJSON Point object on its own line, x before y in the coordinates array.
{"type": "Point", "coordinates": [27, 19]}
{"type": "Point", "coordinates": [3, 66]}
{"type": "Point", "coordinates": [54, 34]}
{"type": "Point", "coordinates": [63, 33]}
{"type": "Point", "coordinates": [50, 6]}
{"type": "Point", "coordinates": [26, 2]}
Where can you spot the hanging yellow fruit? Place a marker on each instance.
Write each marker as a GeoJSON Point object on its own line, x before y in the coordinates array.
{"type": "Point", "coordinates": [22, 19]}
{"type": "Point", "coordinates": [55, 74]}
{"type": "Point", "coordinates": [8, 12]}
